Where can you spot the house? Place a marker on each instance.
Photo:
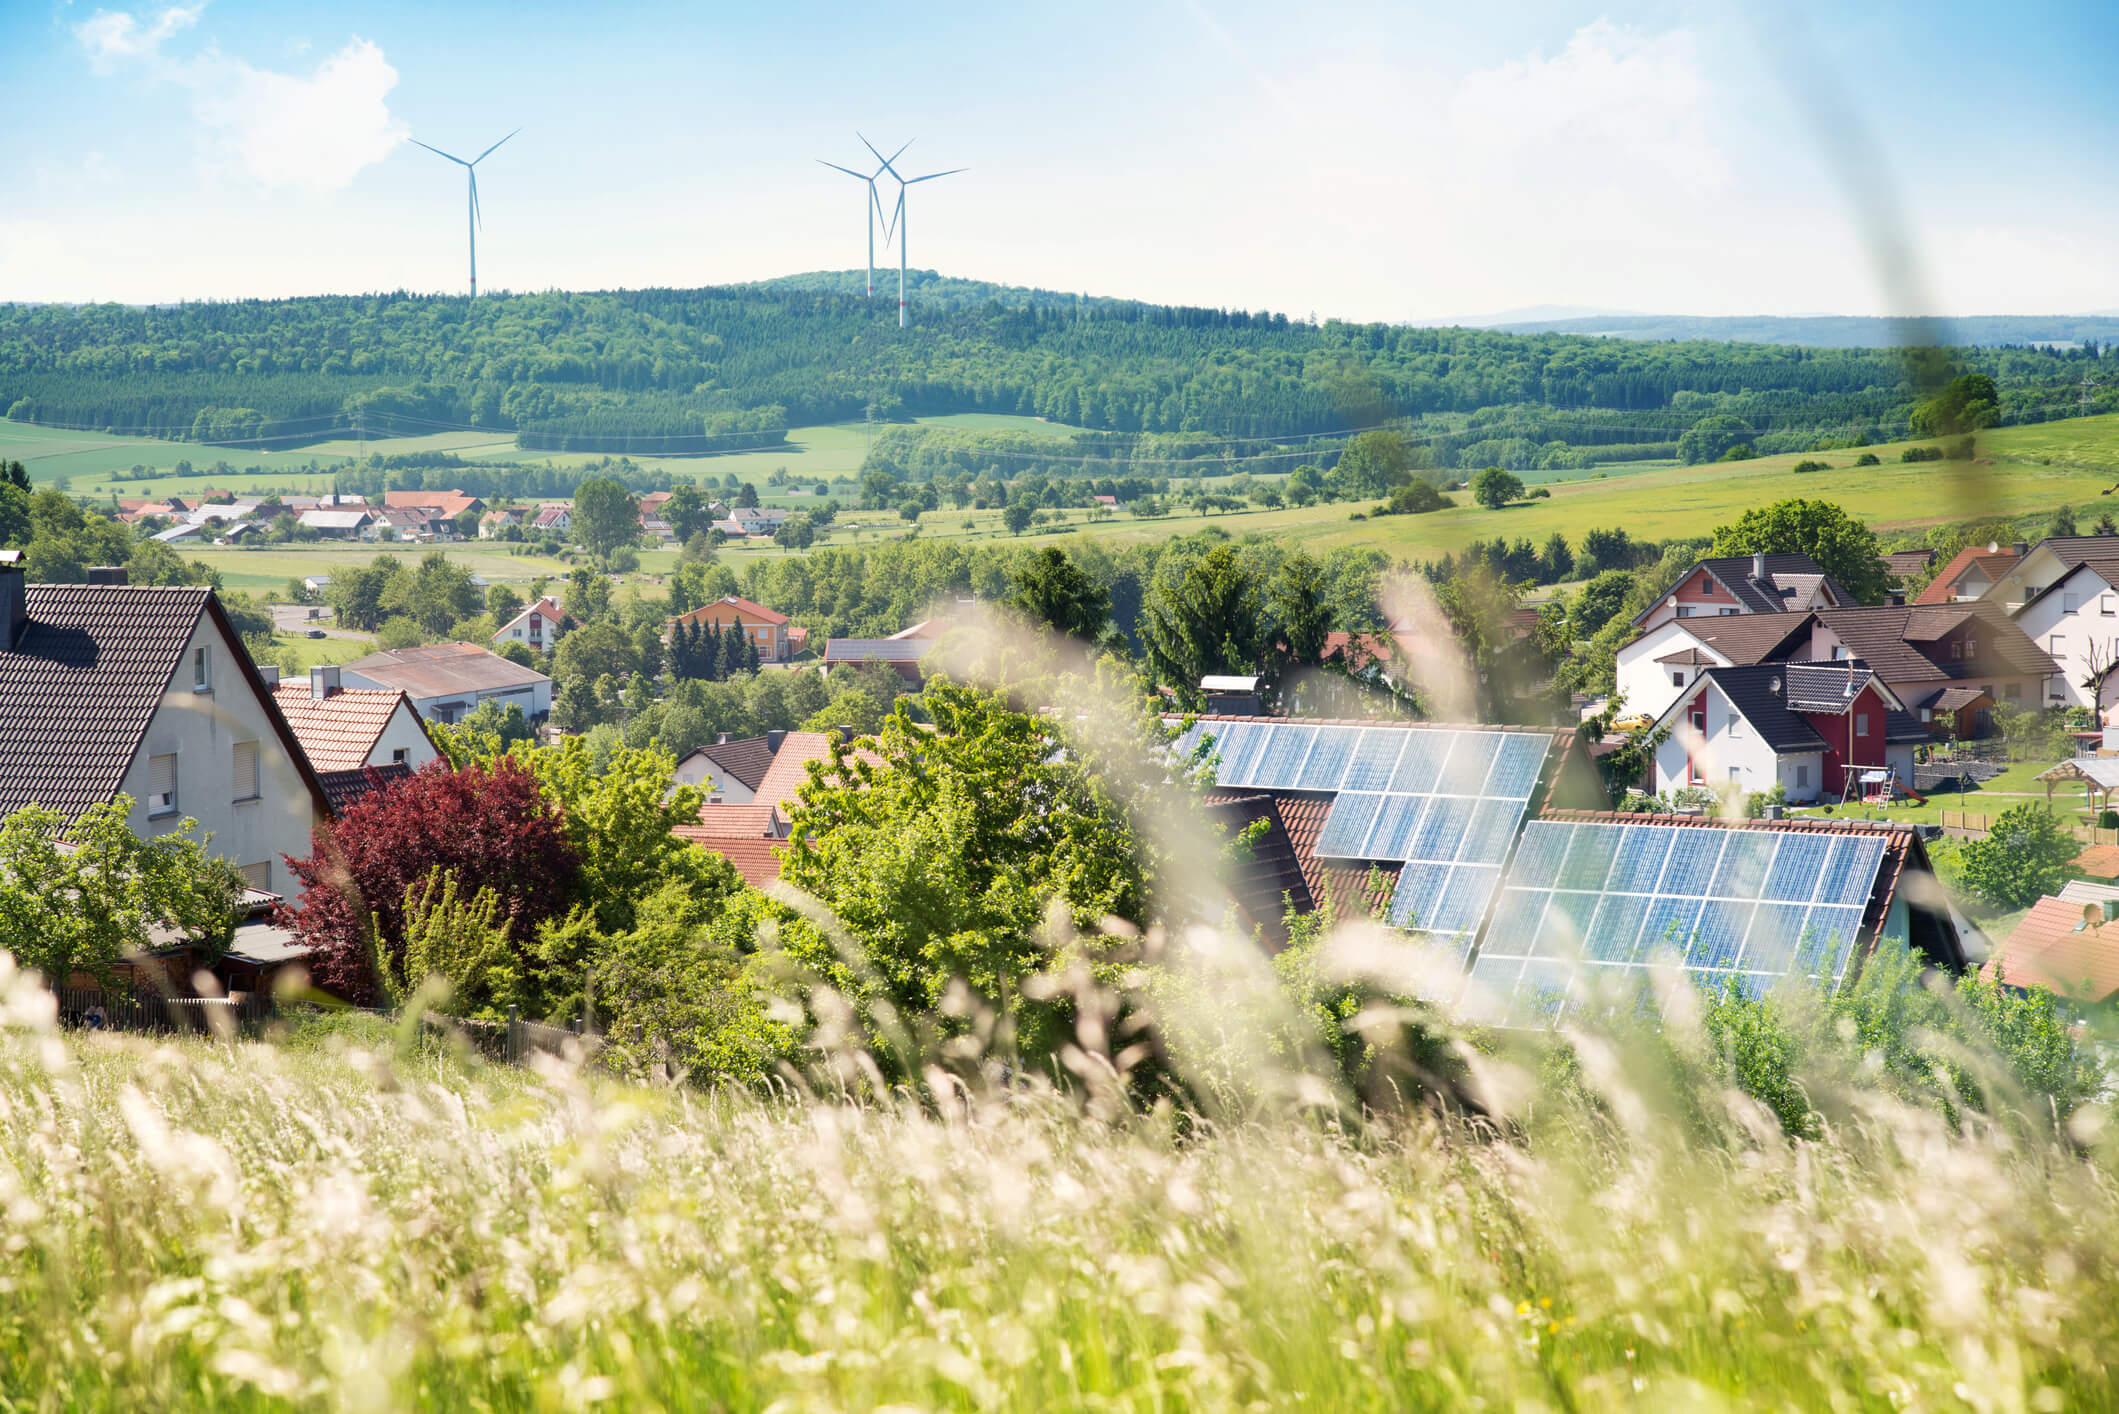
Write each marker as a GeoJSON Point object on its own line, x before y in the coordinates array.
{"type": "Point", "coordinates": [553, 517]}
{"type": "Point", "coordinates": [748, 834]}
{"type": "Point", "coordinates": [1656, 668]}
{"type": "Point", "coordinates": [109, 688]}
{"type": "Point", "coordinates": [1813, 729]}
{"type": "Point", "coordinates": [336, 524]}
{"type": "Point", "coordinates": [538, 627]}
{"type": "Point", "coordinates": [447, 504]}
{"type": "Point", "coordinates": [2036, 567]}
{"type": "Point", "coordinates": [730, 770]}
{"type": "Point", "coordinates": [492, 523]}
{"type": "Point", "coordinates": [349, 732]}
{"type": "Point", "coordinates": [1970, 573]}
{"type": "Point", "coordinates": [1753, 584]}
{"type": "Point", "coordinates": [2075, 619]}
{"type": "Point", "coordinates": [447, 680]}
{"type": "Point", "coordinates": [760, 520]}
{"type": "Point", "coordinates": [904, 654]}
{"type": "Point", "coordinates": [1951, 664]}
{"type": "Point", "coordinates": [2065, 947]}
{"type": "Point", "coordinates": [765, 628]}
{"type": "Point", "coordinates": [408, 523]}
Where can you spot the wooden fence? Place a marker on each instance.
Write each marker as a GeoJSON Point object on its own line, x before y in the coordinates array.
{"type": "Point", "coordinates": [515, 1039]}
{"type": "Point", "coordinates": [1966, 822]}
{"type": "Point", "coordinates": [147, 1010]}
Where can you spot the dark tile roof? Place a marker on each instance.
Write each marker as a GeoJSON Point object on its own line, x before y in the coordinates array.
{"type": "Point", "coordinates": [1952, 699]}
{"type": "Point", "coordinates": [1752, 638]}
{"type": "Point", "coordinates": [79, 687]}
{"type": "Point", "coordinates": [1774, 697]}
{"type": "Point", "coordinates": [82, 682]}
{"type": "Point", "coordinates": [1792, 582]}
{"type": "Point", "coordinates": [1891, 640]}
{"type": "Point", "coordinates": [744, 761]}
{"type": "Point", "coordinates": [1271, 880]}
{"type": "Point", "coordinates": [345, 787]}
{"type": "Point", "coordinates": [1903, 564]}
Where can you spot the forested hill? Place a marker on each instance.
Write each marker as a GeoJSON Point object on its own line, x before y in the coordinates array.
{"type": "Point", "coordinates": [1836, 331]}
{"type": "Point", "coordinates": [661, 370]}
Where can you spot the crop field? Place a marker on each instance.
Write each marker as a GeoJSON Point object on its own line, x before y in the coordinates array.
{"type": "Point", "coordinates": [268, 568]}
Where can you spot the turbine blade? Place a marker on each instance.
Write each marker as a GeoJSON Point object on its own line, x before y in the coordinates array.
{"type": "Point", "coordinates": [859, 176]}
{"type": "Point", "coordinates": [890, 218]}
{"type": "Point", "coordinates": [476, 214]}
{"type": "Point", "coordinates": [932, 175]}
{"type": "Point", "coordinates": [880, 157]}
{"type": "Point", "coordinates": [489, 151]}
{"type": "Point", "coordinates": [438, 152]}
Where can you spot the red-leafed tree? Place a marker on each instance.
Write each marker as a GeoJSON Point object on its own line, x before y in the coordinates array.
{"type": "Point", "coordinates": [489, 824]}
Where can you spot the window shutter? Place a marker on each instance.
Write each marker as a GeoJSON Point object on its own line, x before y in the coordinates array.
{"type": "Point", "coordinates": [258, 876]}
{"type": "Point", "coordinates": [162, 782]}
{"type": "Point", "coordinates": [246, 770]}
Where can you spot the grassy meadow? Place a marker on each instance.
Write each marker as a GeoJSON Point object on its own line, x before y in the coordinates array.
{"type": "Point", "coordinates": [347, 1218]}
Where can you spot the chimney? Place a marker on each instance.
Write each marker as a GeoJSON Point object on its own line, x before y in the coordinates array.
{"type": "Point", "coordinates": [845, 732]}
{"type": "Point", "coordinates": [270, 672]}
{"type": "Point", "coordinates": [2022, 548]}
{"type": "Point", "coordinates": [107, 574]}
{"type": "Point", "coordinates": [723, 738]}
{"type": "Point", "coordinates": [323, 681]}
{"type": "Point", "coordinates": [1758, 565]}
{"type": "Point", "coordinates": [14, 600]}
{"type": "Point", "coordinates": [773, 740]}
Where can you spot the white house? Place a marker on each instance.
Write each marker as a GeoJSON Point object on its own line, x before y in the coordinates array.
{"type": "Point", "coordinates": [1746, 584]}
{"type": "Point", "coordinates": [1810, 728]}
{"type": "Point", "coordinates": [2075, 619]}
{"type": "Point", "coordinates": [447, 680]}
{"type": "Point", "coordinates": [730, 770]}
{"type": "Point", "coordinates": [108, 687]}
{"type": "Point", "coordinates": [1655, 669]}
{"type": "Point", "coordinates": [553, 517]}
{"type": "Point", "coordinates": [537, 627]}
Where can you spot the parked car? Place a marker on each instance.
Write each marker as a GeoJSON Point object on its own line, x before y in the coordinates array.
{"type": "Point", "coordinates": [317, 633]}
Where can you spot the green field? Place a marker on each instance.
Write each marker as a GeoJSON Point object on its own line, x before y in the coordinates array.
{"type": "Point", "coordinates": [266, 570]}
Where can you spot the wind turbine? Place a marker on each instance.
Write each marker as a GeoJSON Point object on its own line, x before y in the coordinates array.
{"type": "Point", "coordinates": [898, 221]}
{"type": "Point", "coordinates": [472, 220]}
{"type": "Point", "coordinates": [875, 206]}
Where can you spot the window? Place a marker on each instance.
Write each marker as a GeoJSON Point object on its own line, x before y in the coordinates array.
{"type": "Point", "coordinates": [1699, 720]}
{"type": "Point", "coordinates": [1971, 649]}
{"type": "Point", "coordinates": [400, 756]}
{"type": "Point", "coordinates": [1736, 725]}
{"type": "Point", "coordinates": [2106, 605]}
{"type": "Point", "coordinates": [1956, 649]}
{"type": "Point", "coordinates": [1686, 611]}
{"type": "Point", "coordinates": [2012, 691]}
{"type": "Point", "coordinates": [1839, 651]}
{"type": "Point", "coordinates": [1677, 679]}
{"type": "Point", "coordinates": [1861, 723]}
{"type": "Point", "coordinates": [257, 876]}
{"type": "Point", "coordinates": [1802, 776]}
{"type": "Point", "coordinates": [202, 670]}
{"type": "Point", "coordinates": [1927, 715]}
{"type": "Point", "coordinates": [2056, 645]}
{"type": "Point", "coordinates": [2069, 603]}
{"type": "Point", "coordinates": [161, 785]}
{"type": "Point", "coordinates": [1734, 775]}
{"type": "Point", "coordinates": [246, 771]}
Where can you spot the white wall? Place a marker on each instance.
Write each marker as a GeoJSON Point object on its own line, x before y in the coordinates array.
{"type": "Point", "coordinates": [1729, 742]}
{"type": "Point", "coordinates": [201, 729]}
{"type": "Point", "coordinates": [1645, 683]}
{"type": "Point", "coordinates": [403, 733]}
{"type": "Point", "coordinates": [2076, 629]}
{"type": "Point", "coordinates": [721, 788]}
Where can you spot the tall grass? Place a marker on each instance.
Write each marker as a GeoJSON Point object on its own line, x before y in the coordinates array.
{"type": "Point", "coordinates": [347, 1219]}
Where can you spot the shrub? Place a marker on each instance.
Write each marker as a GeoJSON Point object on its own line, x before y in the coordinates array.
{"type": "Point", "coordinates": [2024, 857]}
{"type": "Point", "coordinates": [1868, 459]}
{"type": "Point", "coordinates": [1803, 468]}
{"type": "Point", "coordinates": [1921, 454]}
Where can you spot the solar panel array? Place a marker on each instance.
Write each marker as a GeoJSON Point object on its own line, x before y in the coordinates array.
{"type": "Point", "coordinates": [1443, 804]}
{"type": "Point", "coordinates": [1585, 904]}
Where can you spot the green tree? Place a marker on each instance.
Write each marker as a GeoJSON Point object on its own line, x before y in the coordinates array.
{"type": "Point", "coordinates": [83, 896]}
{"type": "Point", "coordinates": [1201, 616]}
{"type": "Point", "coordinates": [746, 497]}
{"type": "Point", "coordinates": [1020, 512]}
{"type": "Point", "coordinates": [588, 596]}
{"type": "Point", "coordinates": [619, 820]}
{"type": "Point", "coordinates": [598, 651]}
{"type": "Point", "coordinates": [1495, 488]}
{"type": "Point", "coordinates": [796, 533]}
{"type": "Point", "coordinates": [1707, 439]}
{"type": "Point", "coordinates": [1969, 403]}
{"type": "Point", "coordinates": [1054, 592]}
{"type": "Point", "coordinates": [688, 511]}
{"type": "Point", "coordinates": [1845, 548]}
{"type": "Point", "coordinates": [1298, 607]}
{"type": "Point", "coordinates": [1599, 601]}
{"type": "Point", "coordinates": [2025, 855]}
{"type": "Point", "coordinates": [2062, 523]}
{"type": "Point", "coordinates": [1376, 462]}
{"type": "Point", "coordinates": [854, 707]}
{"type": "Point", "coordinates": [605, 516]}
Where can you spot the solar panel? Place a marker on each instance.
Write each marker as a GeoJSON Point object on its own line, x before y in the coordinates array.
{"type": "Point", "coordinates": [1281, 762]}
{"type": "Point", "coordinates": [1348, 825]}
{"type": "Point", "coordinates": [1586, 904]}
{"type": "Point", "coordinates": [1328, 757]}
{"type": "Point", "coordinates": [1375, 757]}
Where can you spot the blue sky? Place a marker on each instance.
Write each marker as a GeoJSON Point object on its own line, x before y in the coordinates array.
{"type": "Point", "coordinates": [1388, 161]}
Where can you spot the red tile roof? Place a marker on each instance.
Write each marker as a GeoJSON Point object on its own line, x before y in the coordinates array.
{"type": "Point", "coordinates": [733, 603]}
{"type": "Point", "coordinates": [339, 731]}
{"type": "Point", "coordinates": [1992, 563]}
{"type": "Point", "coordinates": [755, 859]}
{"type": "Point", "coordinates": [2062, 947]}
{"type": "Point", "coordinates": [450, 503]}
{"type": "Point", "coordinates": [2099, 859]}
{"type": "Point", "coordinates": [753, 820]}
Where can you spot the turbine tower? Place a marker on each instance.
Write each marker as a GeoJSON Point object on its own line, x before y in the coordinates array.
{"type": "Point", "coordinates": [875, 206]}
{"type": "Point", "coordinates": [472, 220]}
{"type": "Point", "coordinates": [898, 221]}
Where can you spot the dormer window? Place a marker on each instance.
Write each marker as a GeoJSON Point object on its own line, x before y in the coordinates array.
{"type": "Point", "coordinates": [1971, 649]}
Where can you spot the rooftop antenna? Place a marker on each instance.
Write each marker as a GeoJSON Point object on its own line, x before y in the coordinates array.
{"type": "Point", "coordinates": [472, 220]}
{"type": "Point", "coordinates": [875, 202]}
{"type": "Point", "coordinates": [898, 221]}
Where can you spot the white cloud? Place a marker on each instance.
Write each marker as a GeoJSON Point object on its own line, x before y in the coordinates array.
{"type": "Point", "coordinates": [110, 35]}
{"type": "Point", "coordinates": [316, 132]}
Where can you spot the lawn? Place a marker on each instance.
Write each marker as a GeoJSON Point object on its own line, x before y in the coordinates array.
{"type": "Point", "coordinates": [2013, 786]}
{"type": "Point", "coordinates": [266, 570]}
{"type": "Point", "coordinates": [297, 653]}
